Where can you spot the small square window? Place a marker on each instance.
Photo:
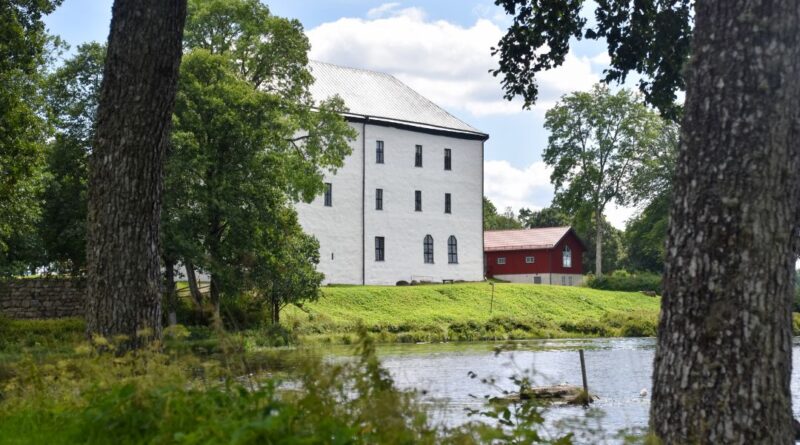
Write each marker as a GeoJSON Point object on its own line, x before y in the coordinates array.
{"type": "Point", "coordinates": [537, 280]}
{"type": "Point", "coordinates": [529, 259]}
{"type": "Point", "coordinates": [501, 260]}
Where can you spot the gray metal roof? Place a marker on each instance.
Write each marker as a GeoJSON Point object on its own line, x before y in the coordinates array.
{"type": "Point", "coordinates": [380, 95]}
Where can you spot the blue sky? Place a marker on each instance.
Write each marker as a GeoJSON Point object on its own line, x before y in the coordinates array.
{"type": "Point", "coordinates": [441, 48]}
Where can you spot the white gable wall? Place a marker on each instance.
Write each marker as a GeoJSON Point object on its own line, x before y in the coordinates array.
{"type": "Point", "coordinates": [339, 228]}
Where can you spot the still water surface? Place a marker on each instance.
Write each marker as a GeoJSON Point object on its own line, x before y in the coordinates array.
{"type": "Point", "coordinates": [618, 369]}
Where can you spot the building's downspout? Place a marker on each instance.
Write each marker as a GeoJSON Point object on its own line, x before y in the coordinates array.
{"type": "Point", "coordinates": [364, 201]}
{"type": "Point", "coordinates": [483, 223]}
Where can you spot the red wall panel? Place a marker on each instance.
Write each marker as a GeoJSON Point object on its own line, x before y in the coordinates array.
{"type": "Point", "coordinates": [545, 260]}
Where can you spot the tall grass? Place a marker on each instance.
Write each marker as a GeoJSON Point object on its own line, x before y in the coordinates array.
{"type": "Point", "coordinates": [180, 397]}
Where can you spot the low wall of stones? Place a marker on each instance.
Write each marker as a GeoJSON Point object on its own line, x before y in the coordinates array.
{"type": "Point", "coordinates": [42, 297]}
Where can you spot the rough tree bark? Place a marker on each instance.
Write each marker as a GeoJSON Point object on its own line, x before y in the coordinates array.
{"type": "Point", "coordinates": [125, 181]}
{"type": "Point", "coordinates": [723, 360]}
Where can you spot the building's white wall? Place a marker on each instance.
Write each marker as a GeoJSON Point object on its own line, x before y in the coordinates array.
{"type": "Point", "coordinates": [403, 228]}
{"type": "Point", "coordinates": [577, 279]}
{"type": "Point", "coordinates": [338, 228]}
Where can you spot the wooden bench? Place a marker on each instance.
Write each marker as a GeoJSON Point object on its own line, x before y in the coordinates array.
{"type": "Point", "coordinates": [447, 281]}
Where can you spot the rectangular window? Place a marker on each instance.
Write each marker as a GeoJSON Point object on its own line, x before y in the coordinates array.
{"type": "Point", "coordinates": [537, 280]}
{"type": "Point", "coordinates": [501, 260]}
{"type": "Point", "coordinates": [379, 251]}
{"type": "Point", "coordinates": [529, 259]}
{"type": "Point", "coordinates": [328, 194]}
{"type": "Point", "coordinates": [378, 199]}
{"type": "Point", "coordinates": [447, 159]}
{"type": "Point", "coordinates": [569, 281]}
{"type": "Point", "coordinates": [379, 152]}
{"type": "Point", "coordinates": [446, 203]}
{"type": "Point", "coordinates": [418, 200]}
{"type": "Point", "coordinates": [418, 157]}
{"type": "Point", "coordinates": [563, 280]}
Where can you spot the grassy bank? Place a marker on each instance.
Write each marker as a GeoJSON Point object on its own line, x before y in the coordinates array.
{"type": "Point", "coordinates": [461, 312]}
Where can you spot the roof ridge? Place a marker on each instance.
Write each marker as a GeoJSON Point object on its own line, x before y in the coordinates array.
{"type": "Point", "coordinates": [442, 112]}
{"type": "Point", "coordinates": [527, 228]}
{"type": "Point", "coordinates": [353, 68]}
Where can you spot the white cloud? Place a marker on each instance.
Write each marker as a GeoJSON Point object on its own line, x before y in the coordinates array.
{"type": "Point", "coordinates": [382, 10]}
{"type": "Point", "coordinates": [445, 62]}
{"type": "Point", "coordinates": [508, 186]}
{"type": "Point", "coordinates": [618, 216]}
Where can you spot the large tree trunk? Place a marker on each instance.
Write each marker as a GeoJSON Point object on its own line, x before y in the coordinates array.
{"type": "Point", "coordinates": [723, 359]}
{"type": "Point", "coordinates": [598, 240]}
{"type": "Point", "coordinates": [125, 181]}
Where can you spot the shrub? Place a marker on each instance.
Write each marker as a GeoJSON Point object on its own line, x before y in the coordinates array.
{"type": "Point", "coordinates": [402, 283]}
{"type": "Point", "coordinates": [49, 334]}
{"type": "Point", "coordinates": [245, 311]}
{"type": "Point", "coordinates": [627, 282]}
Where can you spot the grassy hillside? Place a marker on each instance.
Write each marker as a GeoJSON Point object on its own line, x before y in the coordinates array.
{"type": "Point", "coordinates": [461, 312]}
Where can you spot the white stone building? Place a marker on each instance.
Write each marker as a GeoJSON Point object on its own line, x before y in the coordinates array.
{"type": "Point", "coordinates": [407, 205]}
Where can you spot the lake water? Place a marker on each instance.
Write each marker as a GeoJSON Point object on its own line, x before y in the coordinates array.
{"type": "Point", "coordinates": [618, 369]}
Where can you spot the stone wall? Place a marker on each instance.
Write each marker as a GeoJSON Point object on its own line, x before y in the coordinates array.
{"type": "Point", "coordinates": [42, 297]}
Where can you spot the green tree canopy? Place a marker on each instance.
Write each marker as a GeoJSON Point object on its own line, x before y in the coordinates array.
{"type": "Point", "coordinates": [546, 217]}
{"type": "Point", "coordinates": [494, 221]}
{"type": "Point", "coordinates": [248, 140]}
{"type": "Point", "coordinates": [598, 144]}
{"type": "Point", "coordinates": [23, 54]}
{"type": "Point", "coordinates": [650, 38]}
{"type": "Point", "coordinates": [72, 94]}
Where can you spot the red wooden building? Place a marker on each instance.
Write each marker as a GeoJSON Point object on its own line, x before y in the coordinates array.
{"type": "Point", "coordinates": [549, 255]}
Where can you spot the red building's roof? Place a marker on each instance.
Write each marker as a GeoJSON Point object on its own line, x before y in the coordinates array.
{"type": "Point", "coordinates": [523, 239]}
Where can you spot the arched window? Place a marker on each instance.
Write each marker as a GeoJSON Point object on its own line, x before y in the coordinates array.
{"type": "Point", "coordinates": [452, 250]}
{"type": "Point", "coordinates": [566, 257]}
{"type": "Point", "coordinates": [428, 249]}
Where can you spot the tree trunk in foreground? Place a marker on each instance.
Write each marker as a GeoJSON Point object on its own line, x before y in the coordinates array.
{"type": "Point", "coordinates": [125, 181]}
{"type": "Point", "coordinates": [598, 243]}
{"type": "Point", "coordinates": [723, 359]}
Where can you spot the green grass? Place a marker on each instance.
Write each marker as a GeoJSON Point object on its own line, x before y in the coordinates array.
{"type": "Point", "coordinates": [462, 312]}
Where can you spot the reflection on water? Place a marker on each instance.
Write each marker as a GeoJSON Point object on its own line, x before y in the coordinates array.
{"type": "Point", "coordinates": [618, 369]}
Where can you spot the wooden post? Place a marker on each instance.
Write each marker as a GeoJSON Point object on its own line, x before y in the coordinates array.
{"type": "Point", "coordinates": [583, 376]}
{"type": "Point", "coordinates": [491, 304]}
